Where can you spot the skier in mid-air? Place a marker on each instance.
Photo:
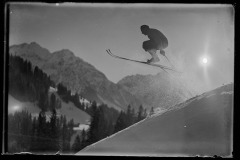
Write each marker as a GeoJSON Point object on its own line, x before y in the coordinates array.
{"type": "Point", "coordinates": [157, 41]}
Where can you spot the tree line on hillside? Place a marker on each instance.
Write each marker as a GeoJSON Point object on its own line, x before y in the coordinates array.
{"type": "Point", "coordinates": [66, 96]}
{"type": "Point", "coordinates": [43, 134]}
{"type": "Point", "coordinates": [40, 134]}
{"type": "Point", "coordinates": [107, 121]}
{"type": "Point", "coordinates": [50, 134]}
{"type": "Point", "coordinates": [28, 83]}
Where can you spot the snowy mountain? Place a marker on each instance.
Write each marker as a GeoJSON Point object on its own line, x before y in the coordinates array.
{"type": "Point", "coordinates": [200, 126]}
{"type": "Point", "coordinates": [79, 76]}
{"type": "Point", "coordinates": [159, 91]}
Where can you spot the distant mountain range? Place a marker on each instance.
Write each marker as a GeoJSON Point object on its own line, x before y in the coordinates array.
{"type": "Point", "coordinates": [81, 77]}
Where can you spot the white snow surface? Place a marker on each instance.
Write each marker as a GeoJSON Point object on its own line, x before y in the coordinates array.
{"type": "Point", "coordinates": [196, 127]}
{"type": "Point", "coordinates": [227, 93]}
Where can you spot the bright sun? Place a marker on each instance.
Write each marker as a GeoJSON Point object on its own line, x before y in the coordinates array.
{"type": "Point", "coordinates": [205, 60]}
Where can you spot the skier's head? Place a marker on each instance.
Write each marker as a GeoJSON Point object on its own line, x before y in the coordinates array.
{"type": "Point", "coordinates": [144, 29]}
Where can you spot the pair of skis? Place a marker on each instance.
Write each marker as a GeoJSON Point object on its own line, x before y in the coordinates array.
{"type": "Point", "coordinates": [152, 64]}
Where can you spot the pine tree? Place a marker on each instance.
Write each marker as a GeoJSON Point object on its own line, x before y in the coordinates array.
{"type": "Point", "coordinates": [52, 102]}
{"type": "Point", "coordinates": [25, 127]}
{"type": "Point", "coordinates": [133, 118]}
{"type": "Point", "coordinates": [65, 144]}
{"type": "Point", "coordinates": [42, 133]}
{"type": "Point", "coordinates": [33, 135]}
{"type": "Point", "coordinates": [129, 109]}
{"type": "Point", "coordinates": [83, 138]}
{"type": "Point", "coordinates": [42, 102]}
{"type": "Point", "coordinates": [129, 115]}
{"type": "Point", "coordinates": [70, 126]}
{"type": "Point", "coordinates": [58, 104]}
{"type": "Point", "coordinates": [151, 111]}
{"type": "Point", "coordinates": [54, 143]}
{"type": "Point", "coordinates": [145, 113]}
{"type": "Point", "coordinates": [69, 134]}
{"type": "Point", "coordinates": [102, 123]}
{"type": "Point", "coordinates": [77, 144]}
{"type": "Point", "coordinates": [140, 113]}
{"type": "Point", "coordinates": [121, 122]}
{"type": "Point", "coordinates": [93, 130]}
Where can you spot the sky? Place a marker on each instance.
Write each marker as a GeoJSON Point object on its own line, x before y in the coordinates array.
{"type": "Point", "coordinates": [193, 31]}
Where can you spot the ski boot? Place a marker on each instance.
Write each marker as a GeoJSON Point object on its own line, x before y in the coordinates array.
{"type": "Point", "coordinates": [153, 60]}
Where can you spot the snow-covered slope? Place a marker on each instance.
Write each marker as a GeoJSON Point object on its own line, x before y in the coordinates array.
{"type": "Point", "coordinates": [67, 109]}
{"type": "Point", "coordinates": [200, 126]}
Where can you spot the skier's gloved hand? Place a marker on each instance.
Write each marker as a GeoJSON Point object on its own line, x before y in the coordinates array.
{"type": "Point", "coordinates": [162, 52]}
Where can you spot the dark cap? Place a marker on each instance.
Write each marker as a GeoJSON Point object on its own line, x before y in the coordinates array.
{"type": "Point", "coordinates": [144, 27]}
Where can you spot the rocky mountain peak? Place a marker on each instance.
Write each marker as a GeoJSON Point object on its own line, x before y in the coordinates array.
{"type": "Point", "coordinates": [64, 53]}
{"type": "Point", "coordinates": [34, 44]}
{"type": "Point", "coordinates": [32, 49]}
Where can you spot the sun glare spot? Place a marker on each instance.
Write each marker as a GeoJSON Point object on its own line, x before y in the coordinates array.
{"type": "Point", "coordinates": [16, 108]}
{"type": "Point", "coordinates": [205, 60]}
